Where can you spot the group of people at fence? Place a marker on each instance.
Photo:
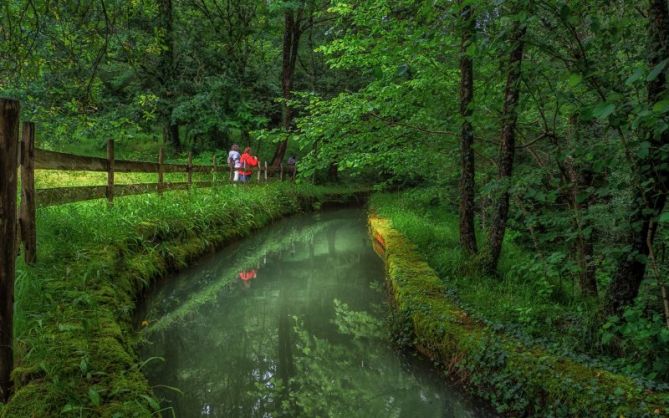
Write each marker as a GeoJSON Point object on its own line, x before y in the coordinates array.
{"type": "Point", "coordinates": [242, 163]}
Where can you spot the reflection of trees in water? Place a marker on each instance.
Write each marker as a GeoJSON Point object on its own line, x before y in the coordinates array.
{"type": "Point", "coordinates": [242, 353]}
{"type": "Point", "coordinates": [203, 353]}
{"type": "Point", "coordinates": [353, 377]}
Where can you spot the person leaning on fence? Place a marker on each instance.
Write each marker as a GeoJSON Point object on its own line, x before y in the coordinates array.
{"type": "Point", "coordinates": [234, 160]}
{"type": "Point", "coordinates": [247, 160]}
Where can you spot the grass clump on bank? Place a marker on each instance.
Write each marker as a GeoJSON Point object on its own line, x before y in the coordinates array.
{"type": "Point", "coordinates": [74, 344]}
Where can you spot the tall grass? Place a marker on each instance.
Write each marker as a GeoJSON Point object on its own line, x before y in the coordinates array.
{"type": "Point", "coordinates": [45, 179]}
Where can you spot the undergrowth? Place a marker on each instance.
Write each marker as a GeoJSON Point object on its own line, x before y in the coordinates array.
{"type": "Point", "coordinates": [528, 299]}
{"type": "Point", "coordinates": [74, 345]}
{"type": "Point", "coordinates": [517, 377]}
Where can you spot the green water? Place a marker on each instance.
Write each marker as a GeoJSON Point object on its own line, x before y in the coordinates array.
{"type": "Point", "coordinates": [288, 322]}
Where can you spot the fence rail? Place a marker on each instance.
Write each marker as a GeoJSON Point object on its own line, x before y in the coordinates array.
{"type": "Point", "coordinates": [52, 160]}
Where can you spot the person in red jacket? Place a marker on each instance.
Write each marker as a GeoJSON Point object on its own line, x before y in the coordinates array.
{"type": "Point", "coordinates": [247, 160]}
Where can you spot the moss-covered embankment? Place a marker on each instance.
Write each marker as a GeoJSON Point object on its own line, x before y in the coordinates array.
{"type": "Point", "coordinates": [75, 347]}
{"type": "Point", "coordinates": [517, 379]}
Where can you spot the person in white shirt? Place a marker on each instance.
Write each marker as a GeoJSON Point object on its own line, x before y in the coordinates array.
{"type": "Point", "coordinates": [234, 160]}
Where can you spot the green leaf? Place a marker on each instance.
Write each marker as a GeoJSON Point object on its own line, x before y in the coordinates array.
{"type": "Point", "coordinates": [94, 396]}
{"type": "Point", "coordinates": [68, 408]}
{"type": "Point", "coordinates": [664, 217]}
{"type": "Point", "coordinates": [574, 80]}
{"type": "Point", "coordinates": [657, 70]}
{"type": "Point", "coordinates": [664, 335]}
{"type": "Point", "coordinates": [662, 106]}
{"type": "Point", "coordinates": [644, 149]}
{"type": "Point", "coordinates": [603, 110]}
{"type": "Point", "coordinates": [636, 76]}
{"type": "Point", "coordinates": [153, 404]}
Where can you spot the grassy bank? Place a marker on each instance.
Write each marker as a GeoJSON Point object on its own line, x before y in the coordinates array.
{"type": "Point", "coordinates": [526, 301]}
{"type": "Point", "coordinates": [536, 311]}
{"type": "Point", "coordinates": [529, 299]}
{"type": "Point", "coordinates": [74, 341]}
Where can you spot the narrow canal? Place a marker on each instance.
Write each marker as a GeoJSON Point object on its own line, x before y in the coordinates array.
{"type": "Point", "coordinates": [289, 322]}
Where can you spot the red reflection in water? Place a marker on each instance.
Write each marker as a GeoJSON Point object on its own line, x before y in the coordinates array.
{"type": "Point", "coordinates": [246, 276]}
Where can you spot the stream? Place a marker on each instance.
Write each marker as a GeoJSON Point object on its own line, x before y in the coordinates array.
{"type": "Point", "coordinates": [289, 322]}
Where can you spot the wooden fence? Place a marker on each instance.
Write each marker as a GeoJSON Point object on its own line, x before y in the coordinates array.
{"type": "Point", "coordinates": [31, 159]}
{"type": "Point", "coordinates": [50, 160]}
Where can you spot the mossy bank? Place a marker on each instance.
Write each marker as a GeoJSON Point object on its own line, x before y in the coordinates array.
{"type": "Point", "coordinates": [518, 380]}
{"type": "Point", "coordinates": [75, 346]}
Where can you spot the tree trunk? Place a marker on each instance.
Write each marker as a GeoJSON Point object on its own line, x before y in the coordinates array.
{"type": "Point", "coordinates": [580, 178]}
{"type": "Point", "coordinates": [507, 146]}
{"type": "Point", "coordinates": [167, 74]}
{"type": "Point", "coordinates": [653, 176]}
{"type": "Point", "coordinates": [467, 185]}
{"type": "Point", "coordinates": [291, 43]}
{"type": "Point", "coordinates": [579, 181]}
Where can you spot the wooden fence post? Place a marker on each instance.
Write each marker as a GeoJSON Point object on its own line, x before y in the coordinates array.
{"type": "Point", "coordinates": [265, 171]}
{"type": "Point", "coordinates": [110, 171]}
{"type": "Point", "coordinates": [9, 142]}
{"type": "Point", "coordinates": [27, 212]}
{"type": "Point", "coordinates": [161, 160]}
{"type": "Point", "coordinates": [213, 170]}
{"type": "Point", "coordinates": [281, 177]}
{"type": "Point", "coordinates": [259, 170]}
{"type": "Point", "coordinates": [190, 169]}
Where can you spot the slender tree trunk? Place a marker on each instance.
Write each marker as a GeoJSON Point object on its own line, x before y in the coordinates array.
{"type": "Point", "coordinates": [467, 184]}
{"type": "Point", "coordinates": [578, 182]}
{"type": "Point", "coordinates": [291, 42]}
{"type": "Point", "coordinates": [167, 71]}
{"type": "Point", "coordinates": [507, 146]}
{"type": "Point", "coordinates": [653, 177]}
{"type": "Point", "coordinates": [580, 179]}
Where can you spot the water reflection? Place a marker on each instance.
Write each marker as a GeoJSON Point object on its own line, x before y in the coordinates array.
{"type": "Point", "coordinates": [246, 276]}
{"type": "Point", "coordinates": [288, 323]}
